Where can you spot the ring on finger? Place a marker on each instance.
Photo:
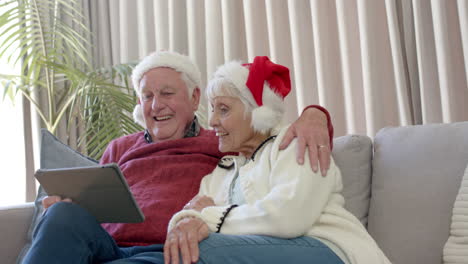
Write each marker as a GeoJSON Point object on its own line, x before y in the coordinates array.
{"type": "Point", "coordinates": [321, 146]}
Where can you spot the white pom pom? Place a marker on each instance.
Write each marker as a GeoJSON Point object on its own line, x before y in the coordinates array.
{"type": "Point", "coordinates": [264, 119]}
{"type": "Point", "coordinates": [138, 116]}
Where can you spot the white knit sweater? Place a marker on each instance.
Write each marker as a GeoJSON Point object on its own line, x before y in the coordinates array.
{"type": "Point", "coordinates": [286, 200]}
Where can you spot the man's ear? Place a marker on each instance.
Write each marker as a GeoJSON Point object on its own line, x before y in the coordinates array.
{"type": "Point", "coordinates": [195, 98]}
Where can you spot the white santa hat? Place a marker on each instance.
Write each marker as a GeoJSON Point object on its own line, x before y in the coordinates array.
{"type": "Point", "coordinates": [169, 59]}
{"type": "Point", "coordinates": [264, 85]}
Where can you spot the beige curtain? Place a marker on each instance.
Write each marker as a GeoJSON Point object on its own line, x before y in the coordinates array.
{"type": "Point", "coordinates": [371, 63]}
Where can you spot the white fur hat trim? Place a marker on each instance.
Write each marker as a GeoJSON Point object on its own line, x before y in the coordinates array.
{"type": "Point", "coordinates": [170, 59]}
{"type": "Point", "coordinates": [138, 116]}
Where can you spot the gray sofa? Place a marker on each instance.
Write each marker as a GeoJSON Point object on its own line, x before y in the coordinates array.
{"type": "Point", "coordinates": [402, 186]}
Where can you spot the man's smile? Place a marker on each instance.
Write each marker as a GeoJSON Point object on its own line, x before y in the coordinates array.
{"type": "Point", "coordinates": [162, 118]}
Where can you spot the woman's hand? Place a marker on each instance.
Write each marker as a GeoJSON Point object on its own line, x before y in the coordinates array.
{"type": "Point", "coordinates": [184, 238]}
{"type": "Point", "coordinates": [198, 203]}
{"type": "Point", "coordinates": [311, 131]}
{"type": "Point", "coordinates": [48, 201]}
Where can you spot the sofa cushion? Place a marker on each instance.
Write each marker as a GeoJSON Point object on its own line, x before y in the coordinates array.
{"type": "Point", "coordinates": [456, 248]}
{"type": "Point", "coordinates": [416, 176]}
{"type": "Point", "coordinates": [353, 155]}
{"type": "Point", "coordinates": [54, 154]}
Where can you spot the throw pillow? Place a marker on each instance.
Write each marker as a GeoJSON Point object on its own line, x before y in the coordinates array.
{"type": "Point", "coordinates": [54, 154]}
{"type": "Point", "coordinates": [456, 248]}
{"type": "Point", "coordinates": [353, 155]}
{"type": "Point", "coordinates": [416, 172]}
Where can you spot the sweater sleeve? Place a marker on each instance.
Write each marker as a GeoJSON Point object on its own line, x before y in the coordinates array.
{"type": "Point", "coordinates": [109, 154]}
{"type": "Point", "coordinates": [204, 185]}
{"type": "Point", "coordinates": [115, 149]}
{"type": "Point", "coordinates": [329, 122]}
{"type": "Point", "coordinates": [204, 190]}
{"type": "Point", "coordinates": [296, 199]}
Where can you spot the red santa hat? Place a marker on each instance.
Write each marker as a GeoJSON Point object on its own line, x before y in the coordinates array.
{"type": "Point", "coordinates": [264, 85]}
{"type": "Point", "coordinates": [169, 59]}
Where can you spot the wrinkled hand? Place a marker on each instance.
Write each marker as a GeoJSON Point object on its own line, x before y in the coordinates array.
{"type": "Point", "coordinates": [48, 201]}
{"type": "Point", "coordinates": [184, 238]}
{"type": "Point", "coordinates": [311, 131]}
{"type": "Point", "coordinates": [198, 203]}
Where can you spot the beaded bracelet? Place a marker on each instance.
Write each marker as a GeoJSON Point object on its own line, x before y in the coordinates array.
{"type": "Point", "coordinates": [218, 226]}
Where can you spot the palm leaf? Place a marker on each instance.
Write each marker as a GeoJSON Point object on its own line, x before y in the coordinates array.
{"type": "Point", "coordinates": [36, 27]}
{"type": "Point", "coordinates": [108, 108]}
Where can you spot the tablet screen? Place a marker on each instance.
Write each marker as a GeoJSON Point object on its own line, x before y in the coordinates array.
{"type": "Point", "coordinates": [101, 189]}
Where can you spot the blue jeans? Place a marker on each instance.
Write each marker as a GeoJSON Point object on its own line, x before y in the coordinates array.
{"type": "Point", "coordinates": [69, 234]}
{"type": "Point", "coordinates": [254, 249]}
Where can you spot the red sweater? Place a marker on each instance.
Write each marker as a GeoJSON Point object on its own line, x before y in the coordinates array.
{"type": "Point", "coordinates": [163, 177]}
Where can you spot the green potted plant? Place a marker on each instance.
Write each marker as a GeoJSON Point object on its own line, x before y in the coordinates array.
{"type": "Point", "coordinates": [51, 42]}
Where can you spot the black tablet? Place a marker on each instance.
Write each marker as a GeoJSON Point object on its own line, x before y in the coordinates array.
{"type": "Point", "coordinates": [101, 189]}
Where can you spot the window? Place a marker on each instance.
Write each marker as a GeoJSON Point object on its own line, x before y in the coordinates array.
{"type": "Point", "coordinates": [12, 158]}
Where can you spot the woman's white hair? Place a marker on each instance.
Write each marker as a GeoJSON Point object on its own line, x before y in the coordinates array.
{"type": "Point", "coordinates": [223, 87]}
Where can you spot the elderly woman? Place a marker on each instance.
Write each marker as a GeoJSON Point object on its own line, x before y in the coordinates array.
{"type": "Point", "coordinates": [262, 193]}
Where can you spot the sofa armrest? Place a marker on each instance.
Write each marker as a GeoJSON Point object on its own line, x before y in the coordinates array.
{"type": "Point", "coordinates": [14, 224]}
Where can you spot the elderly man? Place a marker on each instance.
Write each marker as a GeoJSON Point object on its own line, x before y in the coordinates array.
{"type": "Point", "coordinates": [163, 166]}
